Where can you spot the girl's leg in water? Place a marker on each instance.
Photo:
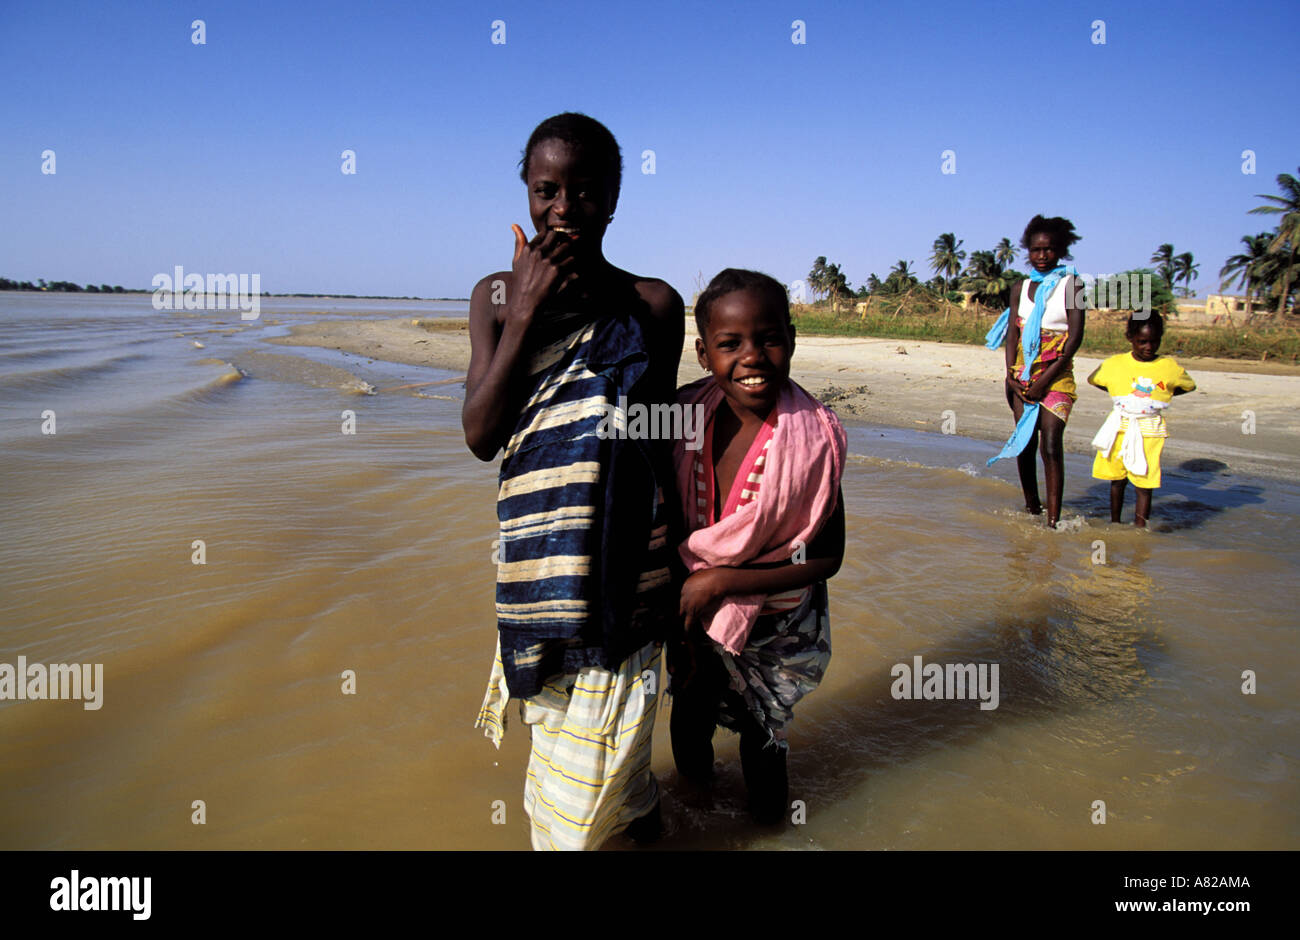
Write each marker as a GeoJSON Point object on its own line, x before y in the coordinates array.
{"type": "Point", "coordinates": [1027, 461]}
{"type": "Point", "coordinates": [1143, 511]}
{"type": "Point", "coordinates": [764, 767]}
{"type": "Point", "coordinates": [699, 682]}
{"type": "Point", "coordinates": [1052, 443]}
{"type": "Point", "coordinates": [1117, 488]}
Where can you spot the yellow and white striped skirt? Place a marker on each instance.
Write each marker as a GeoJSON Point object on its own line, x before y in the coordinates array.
{"type": "Point", "coordinates": [589, 772]}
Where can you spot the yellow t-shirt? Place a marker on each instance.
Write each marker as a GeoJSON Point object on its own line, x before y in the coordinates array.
{"type": "Point", "coordinates": [1123, 375]}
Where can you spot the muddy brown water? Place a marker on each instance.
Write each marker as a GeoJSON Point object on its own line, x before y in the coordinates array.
{"type": "Point", "coordinates": [325, 552]}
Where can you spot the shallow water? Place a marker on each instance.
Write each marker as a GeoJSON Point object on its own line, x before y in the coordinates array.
{"type": "Point", "coordinates": [371, 552]}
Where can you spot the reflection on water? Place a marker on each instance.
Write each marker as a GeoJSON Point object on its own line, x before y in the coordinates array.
{"type": "Point", "coordinates": [1120, 652]}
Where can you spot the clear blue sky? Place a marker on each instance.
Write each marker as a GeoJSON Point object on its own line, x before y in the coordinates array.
{"type": "Point", "coordinates": [225, 157]}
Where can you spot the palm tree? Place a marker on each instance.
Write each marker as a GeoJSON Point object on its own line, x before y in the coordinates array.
{"type": "Point", "coordinates": [1247, 268]}
{"type": "Point", "coordinates": [836, 283]}
{"type": "Point", "coordinates": [817, 277]}
{"type": "Point", "coordinates": [873, 283]}
{"type": "Point", "coordinates": [1185, 270]}
{"type": "Point", "coordinates": [988, 280]}
{"type": "Point", "coordinates": [1005, 253]}
{"type": "Point", "coordinates": [1287, 238]}
{"type": "Point", "coordinates": [900, 278]}
{"type": "Point", "coordinates": [1270, 274]}
{"type": "Point", "coordinates": [947, 258]}
{"type": "Point", "coordinates": [1163, 259]}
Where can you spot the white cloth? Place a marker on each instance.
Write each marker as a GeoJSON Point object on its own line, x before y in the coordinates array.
{"type": "Point", "coordinates": [589, 772]}
{"type": "Point", "coordinates": [1132, 414]}
{"type": "Point", "coordinates": [1054, 318]}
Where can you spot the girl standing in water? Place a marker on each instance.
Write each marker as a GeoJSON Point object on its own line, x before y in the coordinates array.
{"type": "Point", "coordinates": [584, 594]}
{"type": "Point", "coordinates": [1141, 384]}
{"type": "Point", "coordinates": [1043, 329]}
{"type": "Point", "coordinates": [765, 521]}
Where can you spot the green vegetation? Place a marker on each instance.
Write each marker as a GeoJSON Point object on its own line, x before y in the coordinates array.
{"type": "Point", "coordinates": [919, 314]}
{"type": "Point", "coordinates": [946, 259]}
{"type": "Point", "coordinates": [1185, 269]}
{"type": "Point", "coordinates": [827, 280]}
{"type": "Point", "coordinates": [1163, 259]}
{"type": "Point", "coordinates": [1162, 293]}
{"type": "Point", "coordinates": [989, 281]}
{"type": "Point", "coordinates": [70, 287]}
{"type": "Point", "coordinates": [1172, 268]}
{"type": "Point", "coordinates": [968, 291]}
{"type": "Point", "coordinates": [1277, 274]}
{"type": "Point", "coordinates": [67, 286]}
{"type": "Point", "coordinates": [1256, 342]}
{"type": "Point", "coordinates": [881, 321]}
{"type": "Point", "coordinates": [1251, 269]}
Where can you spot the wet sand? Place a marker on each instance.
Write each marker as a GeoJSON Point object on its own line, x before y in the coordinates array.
{"type": "Point", "coordinates": [912, 383]}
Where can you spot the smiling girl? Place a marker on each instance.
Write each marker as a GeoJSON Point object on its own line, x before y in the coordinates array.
{"type": "Point", "coordinates": [762, 505]}
{"type": "Point", "coordinates": [584, 594]}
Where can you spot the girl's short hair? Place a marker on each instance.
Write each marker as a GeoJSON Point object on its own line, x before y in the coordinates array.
{"type": "Point", "coordinates": [768, 289]}
{"type": "Point", "coordinates": [585, 133]}
{"type": "Point", "coordinates": [1060, 231]}
{"type": "Point", "coordinates": [1140, 318]}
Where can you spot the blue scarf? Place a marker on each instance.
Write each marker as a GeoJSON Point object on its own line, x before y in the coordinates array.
{"type": "Point", "coordinates": [1030, 336]}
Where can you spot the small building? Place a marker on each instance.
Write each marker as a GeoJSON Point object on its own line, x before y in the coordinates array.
{"type": "Point", "coordinates": [1229, 306]}
{"type": "Point", "coordinates": [1214, 310]}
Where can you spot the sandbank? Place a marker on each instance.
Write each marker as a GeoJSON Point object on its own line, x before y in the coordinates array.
{"type": "Point", "coordinates": [916, 384]}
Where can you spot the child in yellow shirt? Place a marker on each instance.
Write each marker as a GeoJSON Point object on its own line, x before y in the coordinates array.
{"type": "Point", "coordinates": [1141, 385]}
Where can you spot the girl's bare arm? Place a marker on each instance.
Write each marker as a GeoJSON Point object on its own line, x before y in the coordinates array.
{"type": "Point", "coordinates": [706, 587]}
{"type": "Point", "coordinates": [495, 352]}
{"type": "Point", "coordinates": [1013, 334]}
{"type": "Point", "coordinates": [497, 332]}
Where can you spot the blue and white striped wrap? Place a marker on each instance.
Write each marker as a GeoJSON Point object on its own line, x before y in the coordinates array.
{"type": "Point", "coordinates": [582, 572]}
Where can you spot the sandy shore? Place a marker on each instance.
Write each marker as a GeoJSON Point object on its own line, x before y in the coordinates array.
{"type": "Point", "coordinates": [911, 384]}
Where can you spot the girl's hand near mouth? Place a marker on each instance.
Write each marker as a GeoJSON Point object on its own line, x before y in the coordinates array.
{"type": "Point", "coordinates": [541, 268]}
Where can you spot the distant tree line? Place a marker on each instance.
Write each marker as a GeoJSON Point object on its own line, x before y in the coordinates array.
{"type": "Point", "coordinates": [1268, 269]}
{"type": "Point", "coordinates": [69, 286]}
{"type": "Point", "coordinates": [986, 277]}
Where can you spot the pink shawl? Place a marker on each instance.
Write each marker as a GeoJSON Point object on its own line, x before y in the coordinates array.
{"type": "Point", "coordinates": [801, 477]}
